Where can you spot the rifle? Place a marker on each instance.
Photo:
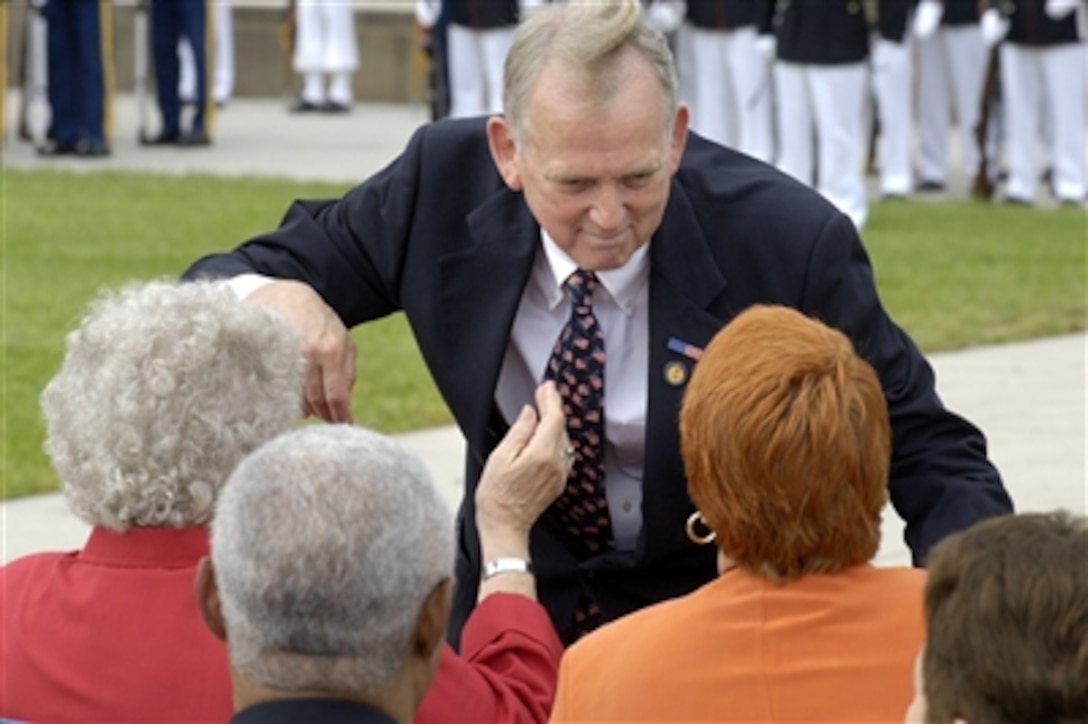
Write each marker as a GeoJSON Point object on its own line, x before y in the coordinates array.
{"type": "Point", "coordinates": [31, 76]}
{"type": "Point", "coordinates": [140, 68]}
{"type": "Point", "coordinates": [286, 35]}
{"type": "Point", "coordinates": [983, 186]}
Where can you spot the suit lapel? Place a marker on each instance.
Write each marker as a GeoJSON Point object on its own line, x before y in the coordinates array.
{"type": "Point", "coordinates": [481, 289]}
{"type": "Point", "coordinates": [685, 281]}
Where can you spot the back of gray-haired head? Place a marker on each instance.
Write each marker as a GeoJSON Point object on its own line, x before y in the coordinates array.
{"type": "Point", "coordinates": [586, 37]}
{"type": "Point", "coordinates": [326, 542]}
{"type": "Point", "coordinates": [164, 388]}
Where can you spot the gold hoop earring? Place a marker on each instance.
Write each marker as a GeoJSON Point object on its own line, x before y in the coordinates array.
{"type": "Point", "coordinates": [697, 539]}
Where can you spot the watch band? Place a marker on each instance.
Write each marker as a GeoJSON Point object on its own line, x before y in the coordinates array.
{"type": "Point", "coordinates": [507, 565]}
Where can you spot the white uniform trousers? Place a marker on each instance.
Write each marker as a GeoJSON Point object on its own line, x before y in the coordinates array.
{"type": "Point", "coordinates": [820, 113]}
{"type": "Point", "coordinates": [892, 87]}
{"type": "Point", "coordinates": [1032, 77]}
{"type": "Point", "coordinates": [951, 67]}
{"type": "Point", "coordinates": [325, 45]}
{"type": "Point", "coordinates": [476, 58]}
{"type": "Point", "coordinates": [731, 93]}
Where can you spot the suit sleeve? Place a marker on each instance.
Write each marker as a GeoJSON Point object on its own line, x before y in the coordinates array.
{"type": "Point", "coordinates": [507, 669]}
{"type": "Point", "coordinates": [941, 480]}
{"type": "Point", "coordinates": [351, 250]}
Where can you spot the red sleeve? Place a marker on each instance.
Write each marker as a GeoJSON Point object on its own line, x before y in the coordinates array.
{"type": "Point", "coordinates": [507, 670]}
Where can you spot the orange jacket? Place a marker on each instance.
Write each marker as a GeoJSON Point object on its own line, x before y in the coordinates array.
{"type": "Point", "coordinates": [740, 649]}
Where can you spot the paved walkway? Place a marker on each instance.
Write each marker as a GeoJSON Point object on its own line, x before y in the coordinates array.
{"type": "Point", "coordinates": [1029, 398]}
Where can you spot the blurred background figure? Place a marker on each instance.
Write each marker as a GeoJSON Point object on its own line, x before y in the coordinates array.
{"type": "Point", "coordinates": [432, 20]}
{"type": "Point", "coordinates": [952, 58]}
{"type": "Point", "coordinates": [172, 21]}
{"type": "Point", "coordinates": [478, 36]}
{"type": "Point", "coordinates": [730, 80]}
{"type": "Point", "coordinates": [786, 443]}
{"type": "Point", "coordinates": [80, 71]}
{"type": "Point", "coordinates": [164, 388]}
{"type": "Point", "coordinates": [1042, 67]}
{"type": "Point", "coordinates": [1006, 623]}
{"type": "Point", "coordinates": [223, 82]}
{"type": "Point", "coordinates": [821, 84]}
{"type": "Point", "coordinates": [893, 92]}
{"type": "Point", "coordinates": [326, 55]}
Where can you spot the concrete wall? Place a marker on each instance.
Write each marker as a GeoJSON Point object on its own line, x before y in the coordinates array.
{"type": "Point", "coordinates": [392, 67]}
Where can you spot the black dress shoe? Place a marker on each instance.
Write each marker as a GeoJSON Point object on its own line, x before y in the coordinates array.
{"type": "Point", "coordinates": [165, 138]}
{"type": "Point", "coordinates": [193, 139]}
{"type": "Point", "coordinates": [1017, 201]}
{"type": "Point", "coordinates": [305, 107]}
{"type": "Point", "coordinates": [51, 149]}
{"type": "Point", "coordinates": [334, 107]}
{"type": "Point", "coordinates": [92, 149]}
{"type": "Point", "coordinates": [931, 186]}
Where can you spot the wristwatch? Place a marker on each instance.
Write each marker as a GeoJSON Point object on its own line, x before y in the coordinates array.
{"type": "Point", "coordinates": [507, 565]}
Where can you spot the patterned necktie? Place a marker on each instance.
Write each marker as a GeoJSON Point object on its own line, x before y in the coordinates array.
{"type": "Point", "coordinates": [577, 366]}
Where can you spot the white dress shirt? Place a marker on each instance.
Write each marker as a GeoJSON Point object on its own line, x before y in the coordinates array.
{"type": "Point", "coordinates": [621, 305]}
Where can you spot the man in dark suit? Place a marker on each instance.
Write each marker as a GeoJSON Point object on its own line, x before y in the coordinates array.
{"type": "Point", "coordinates": [592, 170]}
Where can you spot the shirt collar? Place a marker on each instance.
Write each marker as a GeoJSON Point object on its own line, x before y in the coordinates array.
{"type": "Point", "coordinates": [622, 284]}
{"type": "Point", "coordinates": [311, 709]}
{"type": "Point", "coordinates": [146, 547]}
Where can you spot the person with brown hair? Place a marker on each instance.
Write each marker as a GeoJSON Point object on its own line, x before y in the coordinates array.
{"type": "Point", "coordinates": [786, 444]}
{"type": "Point", "coordinates": [1006, 607]}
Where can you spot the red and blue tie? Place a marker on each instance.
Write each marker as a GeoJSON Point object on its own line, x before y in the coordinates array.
{"type": "Point", "coordinates": [577, 366]}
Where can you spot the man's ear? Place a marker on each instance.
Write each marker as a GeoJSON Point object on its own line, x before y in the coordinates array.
{"type": "Point", "coordinates": [207, 599]}
{"type": "Point", "coordinates": [679, 138]}
{"type": "Point", "coordinates": [504, 151]}
{"type": "Point", "coordinates": [434, 616]}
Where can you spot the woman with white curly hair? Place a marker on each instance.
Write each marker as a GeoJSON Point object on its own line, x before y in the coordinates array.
{"type": "Point", "coordinates": [164, 388]}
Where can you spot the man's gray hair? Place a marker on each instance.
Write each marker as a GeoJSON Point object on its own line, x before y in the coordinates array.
{"type": "Point", "coordinates": [325, 543]}
{"type": "Point", "coordinates": [587, 38]}
{"type": "Point", "coordinates": [164, 388]}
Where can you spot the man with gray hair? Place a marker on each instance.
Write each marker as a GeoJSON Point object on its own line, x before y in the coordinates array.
{"type": "Point", "coordinates": [331, 576]}
{"type": "Point", "coordinates": [586, 236]}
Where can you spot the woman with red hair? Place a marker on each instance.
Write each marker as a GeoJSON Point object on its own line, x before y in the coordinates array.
{"type": "Point", "coordinates": [786, 444]}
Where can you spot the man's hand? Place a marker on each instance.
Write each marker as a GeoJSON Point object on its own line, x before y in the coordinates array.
{"type": "Point", "coordinates": [523, 476]}
{"type": "Point", "coordinates": [328, 347]}
{"type": "Point", "coordinates": [767, 47]}
{"type": "Point", "coordinates": [993, 27]}
{"type": "Point", "coordinates": [927, 17]}
{"type": "Point", "coordinates": [1059, 9]}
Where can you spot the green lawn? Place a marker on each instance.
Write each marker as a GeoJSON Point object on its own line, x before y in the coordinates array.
{"type": "Point", "coordinates": [954, 275]}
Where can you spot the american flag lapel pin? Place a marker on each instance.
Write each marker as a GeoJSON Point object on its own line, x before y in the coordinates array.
{"type": "Point", "coordinates": [685, 348]}
{"type": "Point", "coordinates": [676, 372]}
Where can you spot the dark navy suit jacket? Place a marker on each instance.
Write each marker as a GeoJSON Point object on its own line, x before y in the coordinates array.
{"type": "Point", "coordinates": [438, 235]}
{"type": "Point", "coordinates": [292, 711]}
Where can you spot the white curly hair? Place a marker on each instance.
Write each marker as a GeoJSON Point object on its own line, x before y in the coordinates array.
{"type": "Point", "coordinates": [164, 388]}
